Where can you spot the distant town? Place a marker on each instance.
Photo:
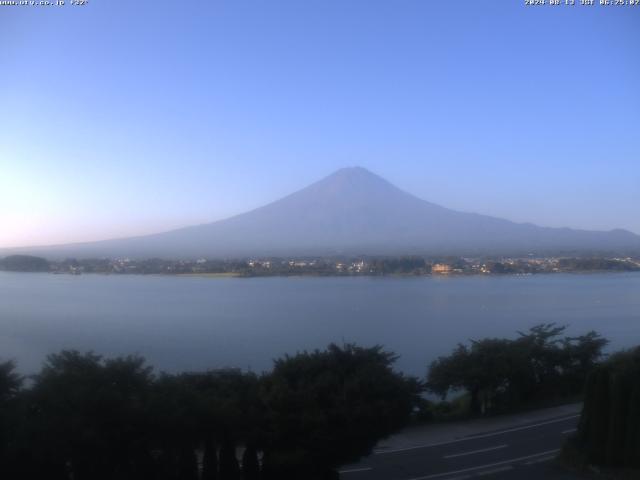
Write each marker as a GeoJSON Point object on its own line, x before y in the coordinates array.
{"type": "Point", "coordinates": [365, 266]}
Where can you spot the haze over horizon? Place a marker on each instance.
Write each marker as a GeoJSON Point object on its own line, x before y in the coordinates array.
{"type": "Point", "coordinates": [350, 212]}
{"type": "Point", "coordinates": [137, 119]}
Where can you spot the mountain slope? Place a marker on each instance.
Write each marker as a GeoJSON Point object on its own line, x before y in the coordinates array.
{"type": "Point", "coordinates": [351, 211]}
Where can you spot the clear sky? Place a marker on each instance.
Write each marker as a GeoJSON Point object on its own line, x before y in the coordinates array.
{"type": "Point", "coordinates": [126, 117]}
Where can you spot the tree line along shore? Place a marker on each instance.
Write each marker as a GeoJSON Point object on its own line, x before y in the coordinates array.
{"type": "Point", "coordinates": [343, 266]}
{"type": "Point", "coordinates": [83, 416]}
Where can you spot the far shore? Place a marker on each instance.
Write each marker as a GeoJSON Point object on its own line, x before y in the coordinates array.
{"type": "Point", "coordinates": [334, 275]}
{"type": "Point", "coordinates": [401, 266]}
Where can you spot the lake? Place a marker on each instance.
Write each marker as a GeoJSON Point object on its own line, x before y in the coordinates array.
{"type": "Point", "coordinates": [193, 323]}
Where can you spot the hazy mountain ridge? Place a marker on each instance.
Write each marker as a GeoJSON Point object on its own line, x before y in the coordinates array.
{"type": "Point", "coordinates": [352, 211]}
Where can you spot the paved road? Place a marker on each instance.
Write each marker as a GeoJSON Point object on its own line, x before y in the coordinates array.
{"type": "Point", "coordinates": [522, 451]}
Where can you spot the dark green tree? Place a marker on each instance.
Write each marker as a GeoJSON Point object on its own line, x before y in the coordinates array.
{"type": "Point", "coordinates": [327, 408]}
{"type": "Point", "coordinates": [10, 384]}
{"type": "Point", "coordinates": [250, 464]}
{"type": "Point", "coordinates": [229, 466]}
{"type": "Point", "coordinates": [501, 374]}
{"type": "Point", "coordinates": [210, 460]}
{"type": "Point", "coordinates": [10, 381]}
{"type": "Point", "coordinates": [620, 392]}
{"type": "Point", "coordinates": [632, 441]}
{"type": "Point", "coordinates": [489, 371]}
{"type": "Point", "coordinates": [95, 411]}
{"type": "Point", "coordinates": [609, 429]}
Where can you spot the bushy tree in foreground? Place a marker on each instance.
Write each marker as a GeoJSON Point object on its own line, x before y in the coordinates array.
{"type": "Point", "coordinates": [87, 415]}
{"type": "Point", "coordinates": [504, 373]}
{"type": "Point", "coordinates": [10, 383]}
{"type": "Point", "coordinates": [89, 418]}
{"type": "Point", "coordinates": [327, 408]}
{"type": "Point", "coordinates": [609, 430]}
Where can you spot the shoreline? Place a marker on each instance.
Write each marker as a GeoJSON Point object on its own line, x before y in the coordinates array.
{"type": "Point", "coordinates": [329, 275]}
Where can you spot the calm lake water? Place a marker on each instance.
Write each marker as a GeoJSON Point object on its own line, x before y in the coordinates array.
{"type": "Point", "coordinates": [190, 323]}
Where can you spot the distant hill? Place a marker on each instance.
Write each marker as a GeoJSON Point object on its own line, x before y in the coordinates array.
{"type": "Point", "coordinates": [352, 211]}
{"type": "Point", "coordinates": [24, 263]}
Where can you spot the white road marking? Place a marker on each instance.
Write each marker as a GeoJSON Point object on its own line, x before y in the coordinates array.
{"type": "Point", "coordinates": [355, 470]}
{"type": "Point", "coordinates": [495, 470]}
{"type": "Point", "coordinates": [474, 437]}
{"type": "Point", "coordinates": [540, 460]}
{"type": "Point", "coordinates": [489, 449]}
{"type": "Point", "coordinates": [482, 467]}
{"type": "Point", "coordinates": [571, 430]}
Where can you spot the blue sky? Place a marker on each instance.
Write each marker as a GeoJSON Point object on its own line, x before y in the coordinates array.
{"type": "Point", "coordinates": [123, 118]}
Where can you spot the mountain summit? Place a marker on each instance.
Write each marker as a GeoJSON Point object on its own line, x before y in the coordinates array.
{"type": "Point", "coordinates": [352, 211]}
